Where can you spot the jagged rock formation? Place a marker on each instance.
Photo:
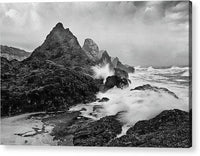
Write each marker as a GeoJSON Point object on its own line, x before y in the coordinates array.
{"type": "Point", "coordinates": [54, 77]}
{"type": "Point", "coordinates": [61, 47]}
{"type": "Point", "coordinates": [102, 57]}
{"type": "Point", "coordinates": [171, 128]}
{"type": "Point", "coordinates": [117, 64]}
{"type": "Point", "coordinates": [105, 59]}
{"type": "Point", "coordinates": [92, 49]}
{"type": "Point", "coordinates": [12, 53]}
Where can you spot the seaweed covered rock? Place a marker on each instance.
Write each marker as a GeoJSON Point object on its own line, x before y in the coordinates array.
{"type": "Point", "coordinates": [97, 133]}
{"type": "Point", "coordinates": [171, 128]}
{"type": "Point", "coordinates": [50, 87]}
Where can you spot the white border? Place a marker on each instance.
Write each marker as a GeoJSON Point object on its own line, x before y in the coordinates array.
{"type": "Point", "coordinates": [103, 151]}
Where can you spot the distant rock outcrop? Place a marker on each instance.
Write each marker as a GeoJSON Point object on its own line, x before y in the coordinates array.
{"type": "Point", "coordinates": [117, 64]}
{"type": "Point", "coordinates": [12, 53]}
{"type": "Point", "coordinates": [155, 89]}
{"type": "Point", "coordinates": [105, 59]}
{"type": "Point", "coordinates": [102, 57]}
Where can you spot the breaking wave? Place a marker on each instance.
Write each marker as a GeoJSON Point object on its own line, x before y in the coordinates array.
{"type": "Point", "coordinates": [102, 71]}
{"type": "Point", "coordinates": [136, 105]}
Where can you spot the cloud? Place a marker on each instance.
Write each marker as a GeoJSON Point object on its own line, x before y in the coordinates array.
{"type": "Point", "coordinates": [139, 33]}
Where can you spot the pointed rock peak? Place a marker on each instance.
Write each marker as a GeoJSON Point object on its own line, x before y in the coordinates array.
{"type": "Point", "coordinates": [59, 26]}
{"type": "Point", "coordinates": [59, 35]}
{"type": "Point", "coordinates": [58, 38]}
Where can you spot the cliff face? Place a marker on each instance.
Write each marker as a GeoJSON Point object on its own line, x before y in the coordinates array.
{"type": "Point", "coordinates": [12, 53]}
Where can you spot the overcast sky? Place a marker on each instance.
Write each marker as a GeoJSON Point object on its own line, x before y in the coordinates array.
{"type": "Point", "coordinates": [139, 33]}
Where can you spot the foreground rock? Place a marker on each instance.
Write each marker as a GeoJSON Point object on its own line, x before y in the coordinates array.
{"type": "Point", "coordinates": [156, 89]}
{"type": "Point", "coordinates": [97, 133]}
{"type": "Point", "coordinates": [171, 128]}
{"type": "Point", "coordinates": [51, 87]}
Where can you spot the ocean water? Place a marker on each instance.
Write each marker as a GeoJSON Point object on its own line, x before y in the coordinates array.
{"type": "Point", "coordinates": [136, 105]}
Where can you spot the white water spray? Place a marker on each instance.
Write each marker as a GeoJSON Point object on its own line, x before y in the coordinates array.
{"type": "Point", "coordinates": [102, 71]}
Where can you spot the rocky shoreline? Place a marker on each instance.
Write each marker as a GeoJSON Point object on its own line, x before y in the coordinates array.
{"type": "Point", "coordinates": [57, 76]}
{"type": "Point", "coordinates": [170, 128]}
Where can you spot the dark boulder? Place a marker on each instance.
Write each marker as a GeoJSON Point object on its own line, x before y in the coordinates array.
{"type": "Point", "coordinates": [112, 81]}
{"type": "Point", "coordinates": [97, 133]}
{"type": "Point", "coordinates": [156, 89]}
{"type": "Point", "coordinates": [171, 128]}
